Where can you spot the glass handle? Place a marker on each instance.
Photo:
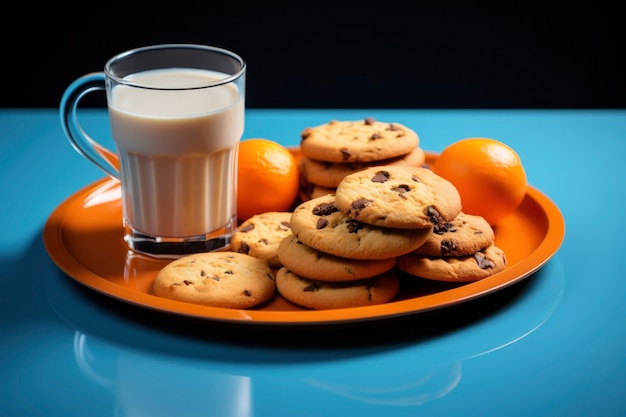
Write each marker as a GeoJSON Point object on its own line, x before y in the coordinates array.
{"type": "Point", "coordinates": [102, 157]}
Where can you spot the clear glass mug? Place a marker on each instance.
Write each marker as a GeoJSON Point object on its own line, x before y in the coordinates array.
{"type": "Point", "coordinates": [177, 115]}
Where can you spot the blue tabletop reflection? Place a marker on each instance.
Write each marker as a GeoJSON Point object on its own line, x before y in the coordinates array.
{"type": "Point", "coordinates": [163, 365]}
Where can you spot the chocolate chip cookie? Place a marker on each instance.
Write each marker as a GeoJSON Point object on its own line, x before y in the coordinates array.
{"type": "Point", "coordinates": [357, 141]}
{"type": "Point", "coordinates": [464, 235]}
{"type": "Point", "coordinates": [217, 279]}
{"type": "Point", "coordinates": [319, 224]}
{"type": "Point", "coordinates": [474, 267]}
{"type": "Point", "coordinates": [310, 263]}
{"type": "Point", "coordinates": [399, 197]}
{"type": "Point", "coordinates": [322, 295]}
{"type": "Point", "coordinates": [330, 174]}
{"type": "Point", "coordinates": [260, 235]}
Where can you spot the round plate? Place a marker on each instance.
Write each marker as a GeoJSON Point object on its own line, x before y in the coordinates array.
{"type": "Point", "coordinates": [84, 237]}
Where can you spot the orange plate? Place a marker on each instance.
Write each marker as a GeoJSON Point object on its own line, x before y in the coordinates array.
{"type": "Point", "coordinates": [84, 237]}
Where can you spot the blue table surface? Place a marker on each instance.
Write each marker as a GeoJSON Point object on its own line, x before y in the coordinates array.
{"type": "Point", "coordinates": [551, 345]}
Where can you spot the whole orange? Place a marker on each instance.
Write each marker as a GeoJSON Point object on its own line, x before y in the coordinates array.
{"type": "Point", "coordinates": [267, 177]}
{"type": "Point", "coordinates": [488, 174]}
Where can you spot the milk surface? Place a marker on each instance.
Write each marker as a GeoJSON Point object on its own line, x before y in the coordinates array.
{"type": "Point", "coordinates": [177, 151]}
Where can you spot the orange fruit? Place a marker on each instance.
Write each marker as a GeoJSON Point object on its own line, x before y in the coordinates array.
{"type": "Point", "coordinates": [489, 175]}
{"type": "Point", "coordinates": [267, 178]}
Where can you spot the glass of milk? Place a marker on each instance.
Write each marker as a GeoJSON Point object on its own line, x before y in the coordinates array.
{"type": "Point", "coordinates": [177, 116]}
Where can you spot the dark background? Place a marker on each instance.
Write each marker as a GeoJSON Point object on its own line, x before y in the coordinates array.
{"type": "Point", "coordinates": [322, 54]}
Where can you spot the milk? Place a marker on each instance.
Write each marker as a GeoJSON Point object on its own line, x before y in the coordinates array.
{"type": "Point", "coordinates": [177, 152]}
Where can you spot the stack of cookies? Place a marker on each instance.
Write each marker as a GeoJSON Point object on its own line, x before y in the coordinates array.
{"type": "Point", "coordinates": [345, 246]}
{"type": "Point", "coordinates": [338, 148]}
{"type": "Point", "coordinates": [334, 261]}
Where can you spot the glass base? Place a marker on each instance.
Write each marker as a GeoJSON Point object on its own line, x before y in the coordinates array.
{"type": "Point", "coordinates": [167, 247]}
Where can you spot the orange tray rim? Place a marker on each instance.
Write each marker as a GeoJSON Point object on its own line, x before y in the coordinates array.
{"type": "Point", "coordinates": [514, 273]}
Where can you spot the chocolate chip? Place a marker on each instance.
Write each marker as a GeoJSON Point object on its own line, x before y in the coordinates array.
{"type": "Point", "coordinates": [244, 248]}
{"type": "Point", "coordinates": [247, 228]}
{"type": "Point", "coordinates": [393, 127]}
{"type": "Point", "coordinates": [401, 189]}
{"type": "Point", "coordinates": [442, 228]}
{"type": "Point", "coordinates": [447, 246]}
{"type": "Point", "coordinates": [284, 226]}
{"type": "Point", "coordinates": [264, 241]}
{"type": "Point", "coordinates": [360, 204]}
{"type": "Point", "coordinates": [305, 134]}
{"type": "Point", "coordinates": [381, 176]}
{"type": "Point", "coordinates": [376, 136]}
{"type": "Point", "coordinates": [311, 288]}
{"type": "Point", "coordinates": [321, 223]}
{"type": "Point", "coordinates": [354, 226]}
{"type": "Point", "coordinates": [229, 272]}
{"type": "Point", "coordinates": [325, 209]}
{"type": "Point", "coordinates": [188, 282]}
{"type": "Point", "coordinates": [247, 293]}
{"type": "Point", "coordinates": [369, 121]}
{"type": "Point", "coordinates": [345, 153]}
{"type": "Point", "coordinates": [433, 215]}
{"type": "Point", "coordinates": [483, 262]}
